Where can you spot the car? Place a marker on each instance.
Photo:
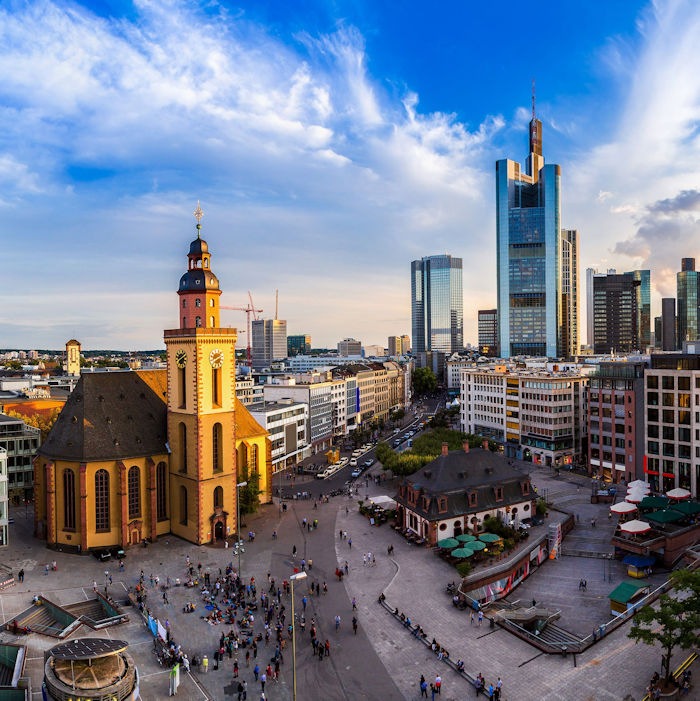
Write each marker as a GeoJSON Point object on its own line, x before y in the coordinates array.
{"type": "Point", "coordinates": [397, 443]}
{"type": "Point", "coordinates": [356, 472]}
{"type": "Point", "coordinates": [369, 463]}
{"type": "Point", "coordinates": [353, 462]}
{"type": "Point", "coordinates": [101, 555]}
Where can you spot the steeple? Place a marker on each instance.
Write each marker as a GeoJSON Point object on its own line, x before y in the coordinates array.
{"type": "Point", "coordinates": [199, 287]}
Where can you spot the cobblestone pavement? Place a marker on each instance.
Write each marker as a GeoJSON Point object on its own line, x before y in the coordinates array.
{"type": "Point", "coordinates": [383, 661]}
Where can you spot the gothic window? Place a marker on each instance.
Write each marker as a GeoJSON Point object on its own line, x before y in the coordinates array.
{"type": "Point", "coordinates": [198, 322]}
{"type": "Point", "coordinates": [161, 492]}
{"type": "Point", "coordinates": [102, 500]}
{"type": "Point", "coordinates": [183, 447]}
{"type": "Point", "coordinates": [197, 302]}
{"type": "Point", "coordinates": [254, 457]}
{"type": "Point", "coordinates": [69, 499]}
{"type": "Point", "coordinates": [218, 497]}
{"type": "Point", "coordinates": [182, 387]}
{"type": "Point", "coordinates": [134, 492]}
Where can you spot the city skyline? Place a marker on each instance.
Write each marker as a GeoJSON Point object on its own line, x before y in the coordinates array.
{"type": "Point", "coordinates": [330, 145]}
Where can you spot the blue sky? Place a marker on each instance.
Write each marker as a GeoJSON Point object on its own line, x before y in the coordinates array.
{"type": "Point", "coordinates": [330, 144]}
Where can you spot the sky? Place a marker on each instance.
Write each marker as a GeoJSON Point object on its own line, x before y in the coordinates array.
{"type": "Point", "coordinates": [330, 143]}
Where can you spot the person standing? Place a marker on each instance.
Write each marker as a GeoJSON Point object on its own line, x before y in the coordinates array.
{"type": "Point", "coordinates": [263, 679]}
{"type": "Point", "coordinates": [20, 575]}
{"type": "Point", "coordinates": [354, 625]}
{"type": "Point", "coordinates": [423, 687]}
{"type": "Point", "coordinates": [481, 617]}
{"type": "Point", "coordinates": [337, 623]}
{"type": "Point", "coordinates": [438, 684]}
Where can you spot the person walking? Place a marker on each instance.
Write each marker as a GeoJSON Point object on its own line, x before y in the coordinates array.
{"type": "Point", "coordinates": [256, 672]}
{"type": "Point", "coordinates": [354, 604]}
{"type": "Point", "coordinates": [423, 687]}
{"type": "Point", "coordinates": [337, 623]}
{"type": "Point", "coordinates": [354, 625]}
{"type": "Point", "coordinates": [481, 617]}
{"type": "Point", "coordinates": [263, 679]}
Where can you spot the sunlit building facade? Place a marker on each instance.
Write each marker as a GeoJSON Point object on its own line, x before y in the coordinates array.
{"type": "Point", "coordinates": [688, 300]}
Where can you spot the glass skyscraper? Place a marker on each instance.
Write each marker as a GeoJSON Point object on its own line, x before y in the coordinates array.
{"type": "Point", "coordinates": [528, 231]}
{"type": "Point", "coordinates": [688, 301]}
{"type": "Point", "coordinates": [437, 315]}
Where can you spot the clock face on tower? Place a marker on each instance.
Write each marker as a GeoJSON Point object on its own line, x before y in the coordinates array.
{"type": "Point", "coordinates": [181, 358]}
{"type": "Point", "coordinates": [216, 358]}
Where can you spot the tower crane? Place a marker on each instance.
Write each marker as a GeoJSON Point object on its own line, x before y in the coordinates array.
{"type": "Point", "coordinates": [248, 309]}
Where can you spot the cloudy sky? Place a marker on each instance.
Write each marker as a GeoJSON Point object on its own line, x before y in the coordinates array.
{"type": "Point", "coordinates": [330, 142]}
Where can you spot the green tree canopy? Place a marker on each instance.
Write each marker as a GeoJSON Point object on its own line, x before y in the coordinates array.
{"type": "Point", "coordinates": [673, 621]}
{"type": "Point", "coordinates": [424, 381]}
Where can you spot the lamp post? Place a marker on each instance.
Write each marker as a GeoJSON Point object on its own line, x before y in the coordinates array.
{"type": "Point", "coordinates": [293, 578]}
{"type": "Point", "coordinates": [238, 525]}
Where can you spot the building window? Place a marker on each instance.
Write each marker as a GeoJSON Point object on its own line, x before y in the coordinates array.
{"type": "Point", "coordinates": [183, 505]}
{"type": "Point", "coordinates": [69, 500]}
{"type": "Point", "coordinates": [134, 489]}
{"type": "Point", "coordinates": [198, 303]}
{"type": "Point", "coordinates": [216, 387]}
{"type": "Point", "coordinates": [218, 497]}
{"type": "Point", "coordinates": [254, 458]}
{"type": "Point", "coordinates": [182, 387]}
{"type": "Point", "coordinates": [182, 431]}
{"type": "Point", "coordinates": [184, 303]}
{"type": "Point", "coordinates": [198, 322]}
{"type": "Point", "coordinates": [161, 492]}
{"type": "Point", "coordinates": [217, 447]}
{"type": "Point", "coordinates": [102, 500]}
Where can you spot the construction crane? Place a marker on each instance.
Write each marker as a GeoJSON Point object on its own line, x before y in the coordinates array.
{"type": "Point", "coordinates": [248, 309]}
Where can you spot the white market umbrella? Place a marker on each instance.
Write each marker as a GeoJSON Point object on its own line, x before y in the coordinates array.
{"type": "Point", "coordinates": [635, 527]}
{"type": "Point", "coordinates": [678, 493]}
{"type": "Point", "coordinates": [623, 507]}
{"type": "Point", "coordinates": [638, 483]}
{"type": "Point", "coordinates": [635, 497]}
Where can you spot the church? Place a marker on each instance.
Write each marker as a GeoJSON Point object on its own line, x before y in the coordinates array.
{"type": "Point", "coordinates": [137, 455]}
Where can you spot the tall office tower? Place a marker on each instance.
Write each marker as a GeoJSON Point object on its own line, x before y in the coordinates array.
{"type": "Point", "coordinates": [668, 324]}
{"type": "Point", "coordinates": [405, 343]}
{"type": "Point", "coordinates": [615, 299]}
{"type": "Point", "coordinates": [394, 346]}
{"type": "Point", "coordinates": [658, 334]}
{"type": "Point", "coordinates": [349, 347]}
{"type": "Point", "coordinates": [590, 273]}
{"type": "Point", "coordinates": [269, 341]}
{"type": "Point", "coordinates": [688, 301]}
{"type": "Point", "coordinates": [437, 316]}
{"type": "Point", "coordinates": [643, 307]}
{"type": "Point", "coordinates": [488, 332]}
{"type": "Point", "coordinates": [298, 344]}
{"type": "Point", "coordinates": [528, 231]}
{"type": "Point", "coordinates": [569, 293]}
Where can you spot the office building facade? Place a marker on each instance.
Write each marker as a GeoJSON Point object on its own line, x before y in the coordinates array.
{"type": "Point", "coordinates": [349, 347]}
{"type": "Point", "coordinates": [668, 324]}
{"type": "Point", "coordinates": [569, 293]}
{"type": "Point", "coordinates": [688, 302]}
{"type": "Point", "coordinates": [298, 344]}
{"type": "Point", "coordinates": [488, 332]}
{"type": "Point", "coordinates": [528, 232]}
{"type": "Point", "coordinates": [269, 342]}
{"type": "Point", "coordinates": [615, 313]}
{"type": "Point", "coordinates": [437, 315]}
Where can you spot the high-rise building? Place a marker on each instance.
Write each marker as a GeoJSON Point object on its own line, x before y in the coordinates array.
{"type": "Point", "coordinates": [394, 346]}
{"type": "Point", "coordinates": [643, 307]}
{"type": "Point", "coordinates": [615, 301]}
{"type": "Point", "coordinates": [488, 332]}
{"type": "Point", "coordinates": [298, 344]}
{"type": "Point", "coordinates": [437, 316]}
{"type": "Point", "coordinates": [528, 232]}
{"type": "Point", "coordinates": [668, 324]}
{"type": "Point", "coordinates": [269, 341]}
{"type": "Point", "coordinates": [405, 343]}
{"type": "Point", "coordinates": [688, 301]}
{"type": "Point", "coordinates": [349, 347]}
{"type": "Point", "coordinates": [590, 272]}
{"type": "Point", "coordinates": [569, 293]}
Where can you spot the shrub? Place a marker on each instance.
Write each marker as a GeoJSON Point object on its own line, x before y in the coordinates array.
{"type": "Point", "coordinates": [464, 568]}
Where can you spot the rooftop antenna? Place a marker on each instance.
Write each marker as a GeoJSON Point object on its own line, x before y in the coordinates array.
{"type": "Point", "coordinates": [533, 98]}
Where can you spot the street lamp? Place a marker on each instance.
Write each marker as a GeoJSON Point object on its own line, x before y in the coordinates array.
{"type": "Point", "coordinates": [238, 525]}
{"type": "Point", "coordinates": [293, 578]}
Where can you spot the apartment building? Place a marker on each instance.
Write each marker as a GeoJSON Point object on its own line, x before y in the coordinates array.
{"type": "Point", "coordinates": [21, 442]}
{"type": "Point", "coordinates": [286, 421]}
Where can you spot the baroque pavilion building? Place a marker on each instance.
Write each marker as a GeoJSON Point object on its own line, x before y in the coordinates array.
{"type": "Point", "coordinates": [142, 454]}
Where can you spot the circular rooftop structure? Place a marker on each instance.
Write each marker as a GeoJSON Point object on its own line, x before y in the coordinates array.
{"type": "Point", "coordinates": [95, 668]}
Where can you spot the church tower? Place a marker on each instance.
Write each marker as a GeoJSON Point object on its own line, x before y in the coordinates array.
{"type": "Point", "coordinates": [201, 370]}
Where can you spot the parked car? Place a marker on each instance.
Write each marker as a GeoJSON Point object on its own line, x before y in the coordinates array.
{"type": "Point", "coordinates": [369, 463]}
{"type": "Point", "coordinates": [353, 462]}
{"type": "Point", "coordinates": [101, 555]}
{"type": "Point", "coordinates": [356, 472]}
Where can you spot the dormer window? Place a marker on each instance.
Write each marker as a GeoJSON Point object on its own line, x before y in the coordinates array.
{"type": "Point", "coordinates": [499, 493]}
{"type": "Point", "coordinates": [525, 487]}
{"type": "Point", "coordinates": [442, 505]}
{"type": "Point", "coordinates": [472, 498]}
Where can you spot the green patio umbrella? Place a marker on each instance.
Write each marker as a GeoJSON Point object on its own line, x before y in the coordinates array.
{"type": "Point", "coordinates": [667, 516]}
{"type": "Point", "coordinates": [687, 507]}
{"type": "Point", "coordinates": [476, 545]}
{"type": "Point", "coordinates": [462, 553]}
{"type": "Point", "coordinates": [448, 543]}
{"type": "Point", "coordinates": [466, 538]}
{"type": "Point", "coordinates": [653, 503]}
{"type": "Point", "coordinates": [489, 537]}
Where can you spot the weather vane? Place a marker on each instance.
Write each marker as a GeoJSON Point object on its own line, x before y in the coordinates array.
{"type": "Point", "coordinates": [198, 214]}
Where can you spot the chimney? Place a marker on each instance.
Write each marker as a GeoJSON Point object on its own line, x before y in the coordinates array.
{"type": "Point", "coordinates": [465, 446]}
{"type": "Point", "coordinates": [485, 444]}
{"type": "Point", "coordinates": [445, 449]}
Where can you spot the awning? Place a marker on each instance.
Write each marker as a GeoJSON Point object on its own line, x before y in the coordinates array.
{"type": "Point", "coordinates": [638, 560]}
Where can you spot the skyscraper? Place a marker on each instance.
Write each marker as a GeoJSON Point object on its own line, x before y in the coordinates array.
{"type": "Point", "coordinates": [615, 313]}
{"type": "Point", "coordinates": [569, 293]}
{"type": "Point", "coordinates": [269, 341]}
{"type": "Point", "coordinates": [528, 231]}
{"type": "Point", "coordinates": [298, 344]}
{"type": "Point", "coordinates": [437, 315]}
{"type": "Point", "coordinates": [688, 301]}
{"type": "Point", "coordinates": [488, 332]}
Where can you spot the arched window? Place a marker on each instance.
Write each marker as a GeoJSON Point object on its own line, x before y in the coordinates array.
{"type": "Point", "coordinates": [217, 448]}
{"type": "Point", "coordinates": [211, 321]}
{"type": "Point", "coordinates": [183, 505]}
{"type": "Point", "coordinates": [216, 387]}
{"type": "Point", "coordinates": [197, 302]}
{"type": "Point", "coordinates": [134, 490]}
{"type": "Point", "coordinates": [182, 387]}
{"type": "Point", "coordinates": [182, 431]}
{"type": "Point", "coordinates": [242, 460]}
{"type": "Point", "coordinates": [69, 500]}
{"type": "Point", "coordinates": [161, 492]}
{"type": "Point", "coordinates": [184, 302]}
{"type": "Point", "coordinates": [102, 500]}
{"type": "Point", "coordinates": [218, 497]}
{"type": "Point", "coordinates": [254, 457]}
{"type": "Point", "coordinates": [198, 322]}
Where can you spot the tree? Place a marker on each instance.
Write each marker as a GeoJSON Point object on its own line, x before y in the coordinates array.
{"type": "Point", "coordinates": [43, 421]}
{"type": "Point", "coordinates": [424, 381]}
{"type": "Point", "coordinates": [674, 621]}
{"type": "Point", "coordinates": [249, 495]}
